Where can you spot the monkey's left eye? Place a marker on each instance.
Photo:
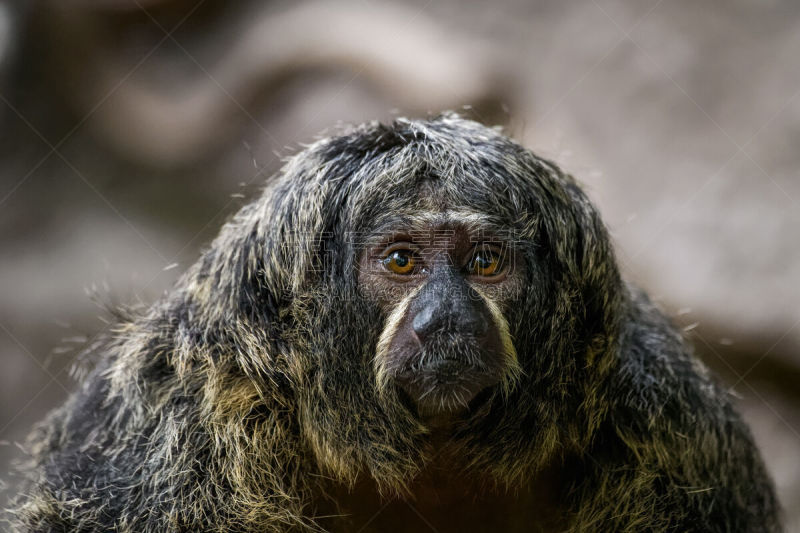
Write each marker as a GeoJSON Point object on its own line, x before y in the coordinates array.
{"type": "Point", "coordinates": [485, 263]}
{"type": "Point", "coordinates": [400, 262]}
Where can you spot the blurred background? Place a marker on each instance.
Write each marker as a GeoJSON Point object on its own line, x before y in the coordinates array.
{"type": "Point", "coordinates": [131, 129]}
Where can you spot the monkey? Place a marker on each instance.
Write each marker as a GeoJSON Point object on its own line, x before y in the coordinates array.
{"type": "Point", "coordinates": [417, 325]}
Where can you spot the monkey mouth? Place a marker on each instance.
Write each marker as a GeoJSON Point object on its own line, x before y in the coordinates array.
{"type": "Point", "coordinates": [448, 370]}
{"type": "Point", "coordinates": [445, 384]}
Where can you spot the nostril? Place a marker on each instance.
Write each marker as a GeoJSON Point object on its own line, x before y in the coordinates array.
{"type": "Point", "coordinates": [465, 321]}
{"type": "Point", "coordinates": [424, 322]}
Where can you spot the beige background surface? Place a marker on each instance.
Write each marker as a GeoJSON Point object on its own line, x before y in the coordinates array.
{"type": "Point", "coordinates": [130, 130]}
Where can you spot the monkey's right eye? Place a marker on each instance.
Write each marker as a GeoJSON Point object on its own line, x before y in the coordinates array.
{"type": "Point", "coordinates": [400, 262]}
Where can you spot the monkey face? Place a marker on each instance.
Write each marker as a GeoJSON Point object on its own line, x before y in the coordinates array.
{"type": "Point", "coordinates": [444, 286]}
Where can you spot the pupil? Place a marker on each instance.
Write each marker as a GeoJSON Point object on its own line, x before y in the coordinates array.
{"type": "Point", "coordinates": [400, 259]}
{"type": "Point", "coordinates": [484, 261]}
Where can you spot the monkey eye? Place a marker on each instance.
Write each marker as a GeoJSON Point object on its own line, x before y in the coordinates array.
{"type": "Point", "coordinates": [400, 261]}
{"type": "Point", "coordinates": [485, 262]}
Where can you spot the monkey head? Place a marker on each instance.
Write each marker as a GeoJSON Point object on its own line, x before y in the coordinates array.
{"type": "Point", "coordinates": [429, 269]}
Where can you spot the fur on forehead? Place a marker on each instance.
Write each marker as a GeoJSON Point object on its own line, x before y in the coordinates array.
{"type": "Point", "coordinates": [362, 178]}
{"type": "Point", "coordinates": [433, 226]}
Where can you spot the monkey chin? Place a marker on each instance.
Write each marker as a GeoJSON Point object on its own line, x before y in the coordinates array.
{"type": "Point", "coordinates": [445, 387]}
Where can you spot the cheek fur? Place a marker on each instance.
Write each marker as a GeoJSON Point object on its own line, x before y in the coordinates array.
{"type": "Point", "coordinates": [390, 329]}
{"type": "Point", "coordinates": [513, 369]}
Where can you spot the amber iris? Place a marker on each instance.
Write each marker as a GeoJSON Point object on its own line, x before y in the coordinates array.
{"type": "Point", "coordinates": [400, 262]}
{"type": "Point", "coordinates": [485, 263]}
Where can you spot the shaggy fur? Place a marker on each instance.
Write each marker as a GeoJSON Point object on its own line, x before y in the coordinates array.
{"type": "Point", "coordinates": [235, 401]}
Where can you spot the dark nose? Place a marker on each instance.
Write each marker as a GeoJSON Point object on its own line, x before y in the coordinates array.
{"type": "Point", "coordinates": [453, 311]}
